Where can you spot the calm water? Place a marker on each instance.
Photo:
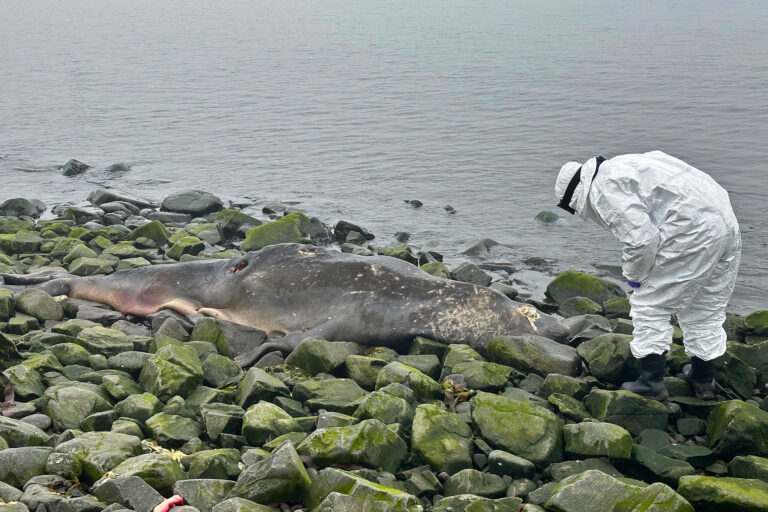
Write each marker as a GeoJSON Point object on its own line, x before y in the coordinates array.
{"type": "Point", "coordinates": [351, 107]}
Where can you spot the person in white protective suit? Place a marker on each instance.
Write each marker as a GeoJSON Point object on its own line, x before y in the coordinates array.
{"type": "Point", "coordinates": [681, 252]}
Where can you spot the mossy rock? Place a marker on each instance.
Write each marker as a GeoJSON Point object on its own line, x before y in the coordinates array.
{"type": "Point", "coordinates": [68, 405]}
{"type": "Point", "coordinates": [265, 420]}
{"type": "Point", "coordinates": [16, 433]}
{"type": "Point", "coordinates": [333, 480]}
{"type": "Point", "coordinates": [576, 306]}
{"type": "Point", "coordinates": [91, 266]}
{"type": "Point", "coordinates": [172, 370]}
{"type": "Point", "coordinates": [21, 242]}
{"type": "Point", "coordinates": [171, 430]}
{"type": "Point", "coordinates": [572, 283]}
{"type": "Point", "coordinates": [627, 409]}
{"type": "Point", "coordinates": [595, 490]}
{"type": "Point", "coordinates": [442, 439]}
{"type": "Point", "coordinates": [437, 269]}
{"type": "Point", "coordinates": [756, 324]}
{"type": "Point", "coordinates": [279, 477]}
{"type": "Point", "coordinates": [157, 469]}
{"type": "Point", "coordinates": [259, 385]}
{"type": "Point", "coordinates": [100, 452]}
{"type": "Point", "coordinates": [519, 427]}
{"type": "Point", "coordinates": [609, 358]}
{"type": "Point", "coordinates": [232, 220]}
{"type": "Point", "coordinates": [711, 494]}
{"type": "Point", "coordinates": [738, 428]}
{"type": "Point", "coordinates": [185, 245]}
{"type": "Point", "coordinates": [597, 439]}
{"type": "Point", "coordinates": [38, 304]}
{"type": "Point", "coordinates": [529, 353]}
{"type": "Point", "coordinates": [317, 355]}
{"type": "Point", "coordinates": [369, 443]}
{"type": "Point", "coordinates": [217, 463]}
{"type": "Point", "coordinates": [292, 228]}
{"type": "Point", "coordinates": [422, 385]}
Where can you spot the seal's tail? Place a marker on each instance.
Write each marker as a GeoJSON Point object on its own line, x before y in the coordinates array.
{"type": "Point", "coordinates": [51, 282]}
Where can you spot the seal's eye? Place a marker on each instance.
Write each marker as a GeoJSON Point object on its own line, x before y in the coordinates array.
{"type": "Point", "coordinates": [238, 266]}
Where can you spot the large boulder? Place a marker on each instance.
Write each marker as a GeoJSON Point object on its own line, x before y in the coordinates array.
{"type": "Point", "coordinates": [20, 207]}
{"type": "Point", "coordinates": [18, 465]}
{"type": "Point", "coordinates": [231, 339]}
{"type": "Point", "coordinates": [422, 385]}
{"type": "Point", "coordinates": [724, 494]}
{"type": "Point", "coordinates": [530, 353]}
{"type": "Point", "coordinates": [373, 495]}
{"type": "Point", "coordinates": [595, 490]}
{"type": "Point", "coordinates": [68, 405]}
{"type": "Point", "coordinates": [627, 409]}
{"type": "Point", "coordinates": [265, 420]}
{"type": "Point", "coordinates": [279, 477]}
{"type": "Point", "coordinates": [157, 469]}
{"type": "Point", "coordinates": [100, 452]}
{"type": "Point", "coordinates": [580, 284]}
{"type": "Point", "coordinates": [317, 355]}
{"type": "Point", "coordinates": [442, 439]}
{"type": "Point", "coordinates": [519, 427]}
{"type": "Point", "coordinates": [597, 439]}
{"type": "Point", "coordinates": [738, 428]}
{"type": "Point", "coordinates": [17, 433]}
{"type": "Point", "coordinates": [38, 304]}
{"type": "Point", "coordinates": [609, 358]}
{"type": "Point", "coordinates": [129, 491]}
{"type": "Point", "coordinates": [202, 493]}
{"type": "Point", "coordinates": [293, 228]}
{"type": "Point", "coordinates": [472, 481]}
{"type": "Point", "coordinates": [749, 466]}
{"type": "Point", "coordinates": [259, 385]}
{"type": "Point", "coordinates": [194, 202]}
{"type": "Point", "coordinates": [369, 443]}
{"type": "Point", "coordinates": [172, 370]}
{"type": "Point", "coordinates": [172, 430]}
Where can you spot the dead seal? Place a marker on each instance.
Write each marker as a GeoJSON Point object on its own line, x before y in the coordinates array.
{"type": "Point", "coordinates": [302, 291]}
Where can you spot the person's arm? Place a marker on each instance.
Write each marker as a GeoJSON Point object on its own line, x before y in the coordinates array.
{"type": "Point", "coordinates": [619, 204]}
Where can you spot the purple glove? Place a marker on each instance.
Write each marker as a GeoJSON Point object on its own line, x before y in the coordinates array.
{"type": "Point", "coordinates": [633, 284]}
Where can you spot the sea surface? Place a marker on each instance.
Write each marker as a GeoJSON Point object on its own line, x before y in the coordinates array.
{"type": "Point", "coordinates": [348, 108]}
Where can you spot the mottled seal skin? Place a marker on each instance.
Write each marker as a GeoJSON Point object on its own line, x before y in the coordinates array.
{"type": "Point", "coordinates": [303, 290]}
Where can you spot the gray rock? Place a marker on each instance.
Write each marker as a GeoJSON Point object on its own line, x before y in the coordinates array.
{"type": "Point", "coordinates": [74, 167]}
{"type": "Point", "coordinates": [471, 481]}
{"type": "Point", "coordinates": [470, 273]}
{"type": "Point", "coordinates": [18, 465]}
{"type": "Point", "coordinates": [203, 494]}
{"type": "Point", "coordinates": [279, 477]}
{"type": "Point", "coordinates": [156, 469]}
{"type": "Point", "coordinates": [20, 207]}
{"type": "Point", "coordinates": [193, 202]}
{"type": "Point", "coordinates": [530, 353]}
{"type": "Point", "coordinates": [129, 491]}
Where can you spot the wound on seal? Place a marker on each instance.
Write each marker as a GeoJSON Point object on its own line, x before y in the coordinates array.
{"type": "Point", "coordinates": [239, 265]}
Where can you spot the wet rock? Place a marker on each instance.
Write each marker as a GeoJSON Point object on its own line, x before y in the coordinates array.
{"type": "Point", "coordinates": [547, 217]}
{"type": "Point", "coordinates": [470, 273]}
{"type": "Point", "coordinates": [265, 420]}
{"type": "Point", "coordinates": [230, 221]}
{"type": "Point", "coordinates": [563, 384]}
{"type": "Point", "coordinates": [317, 355]}
{"type": "Point", "coordinates": [38, 304]}
{"type": "Point", "coordinates": [20, 207]}
{"type": "Point", "coordinates": [504, 463]}
{"type": "Point", "coordinates": [18, 434]}
{"type": "Point", "coordinates": [202, 494]}
{"type": "Point", "coordinates": [443, 440]}
{"type": "Point", "coordinates": [171, 430]}
{"type": "Point", "coordinates": [139, 406]}
{"type": "Point", "coordinates": [579, 284]}
{"type": "Point", "coordinates": [91, 266]}
{"type": "Point", "coordinates": [332, 480]}
{"type": "Point", "coordinates": [626, 409]}
{"type": "Point", "coordinates": [736, 494]}
{"type": "Point", "coordinates": [471, 481]}
{"type": "Point", "coordinates": [530, 353]}
{"type": "Point", "coordinates": [185, 245]}
{"type": "Point", "coordinates": [749, 466]}
{"type": "Point", "coordinates": [219, 463]}
{"type": "Point", "coordinates": [616, 308]}
{"type": "Point", "coordinates": [482, 375]}
{"type": "Point", "coordinates": [369, 443]}
{"type": "Point", "coordinates": [220, 371]}
{"type": "Point", "coordinates": [279, 477]}
{"type": "Point", "coordinates": [343, 228]}
{"type": "Point", "coordinates": [67, 405]}
{"type": "Point", "coordinates": [65, 465]}
{"type": "Point", "coordinates": [231, 339]}
{"type": "Point", "coordinates": [21, 242]}
{"type": "Point", "coordinates": [221, 418]}
{"type": "Point", "coordinates": [594, 490]}
{"type": "Point", "coordinates": [129, 491]}
{"type": "Point", "coordinates": [385, 407]}
{"type": "Point", "coordinates": [609, 358]}
{"type": "Point", "coordinates": [259, 385]}
{"type": "Point", "coordinates": [74, 167]}
{"type": "Point", "coordinates": [104, 341]}
{"type": "Point", "coordinates": [596, 439]}
{"type": "Point", "coordinates": [422, 385]}
{"type": "Point", "coordinates": [100, 452]}
{"type": "Point", "coordinates": [193, 202]}
{"type": "Point", "coordinates": [292, 228]}
{"type": "Point", "coordinates": [576, 306]}
{"type": "Point", "coordinates": [738, 428]}
{"type": "Point", "coordinates": [364, 370]}
{"type": "Point", "coordinates": [240, 505]}
{"type": "Point", "coordinates": [519, 427]}
{"type": "Point", "coordinates": [158, 470]}
{"type": "Point", "coordinates": [437, 269]}
{"type": "Point", "coordinates": [18, 465]}
{"type": "Point", "coordinates": [332, 394]}
{"type": "Point", "coordinates": [172, 370]}
{"type": "Point", "coordinates": [27, 383]}
{"type": "Point", "coordinates": [562, 470]}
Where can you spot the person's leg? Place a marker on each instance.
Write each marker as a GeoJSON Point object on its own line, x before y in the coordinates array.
{"type": "Point", "coordinates": [652, 335]}
{"type": "Point", "coordinates": [702, 320]}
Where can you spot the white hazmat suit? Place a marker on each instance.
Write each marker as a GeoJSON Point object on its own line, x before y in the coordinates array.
{"type": "Point", "coordinates": [680, 239]}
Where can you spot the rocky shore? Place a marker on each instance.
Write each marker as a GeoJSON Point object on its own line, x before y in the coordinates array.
{"type": "Point", "coordinates": [112, 412]}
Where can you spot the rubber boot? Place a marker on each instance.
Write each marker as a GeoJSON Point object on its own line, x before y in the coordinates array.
{"type": "Point", "coordinates": [650, 384]}
{"type": "Point", "coordinates": [701, 377]}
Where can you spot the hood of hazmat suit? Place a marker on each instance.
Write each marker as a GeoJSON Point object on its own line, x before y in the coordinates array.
{"type": "Point", "coordinates": [676, 225]}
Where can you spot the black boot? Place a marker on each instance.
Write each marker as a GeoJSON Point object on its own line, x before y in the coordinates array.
{"type": "Point", "coordinates": [701, 377]}
{"type": "Point", "coordinates": [650, 384]}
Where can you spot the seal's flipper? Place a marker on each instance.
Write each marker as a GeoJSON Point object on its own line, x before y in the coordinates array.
{"type": "Point", "coordinates": [285, 344]}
